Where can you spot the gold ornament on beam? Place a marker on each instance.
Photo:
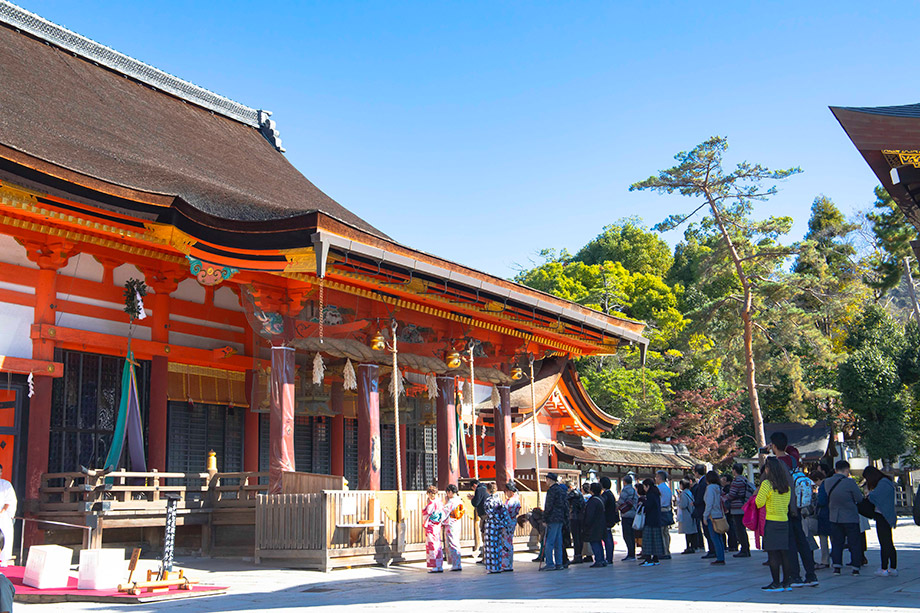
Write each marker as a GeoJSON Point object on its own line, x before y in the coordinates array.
{"type": "Point", "coordinates": [378, 343]}
{"type": "Point", "coordinates": [453, 360]}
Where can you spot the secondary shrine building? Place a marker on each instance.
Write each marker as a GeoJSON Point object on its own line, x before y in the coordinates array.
{"type": "Point", "coordinates": [270, 313]}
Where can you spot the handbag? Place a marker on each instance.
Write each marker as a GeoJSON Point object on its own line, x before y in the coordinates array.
{"type": "Point", "coordinates": [720, 524]}
{"type": "Point", "coordinates": [639, 519]}
{"type": "Point", "coordinates": [866, 508]}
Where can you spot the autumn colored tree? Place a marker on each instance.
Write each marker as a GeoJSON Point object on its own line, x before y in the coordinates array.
{"type": "Point", "coordinates": [729, 196]}
{"type": "Point", "coordinates": [704, 423]}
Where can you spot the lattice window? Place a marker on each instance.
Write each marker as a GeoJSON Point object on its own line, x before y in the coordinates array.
{"type": "Point", "coordinates": [84, 407]}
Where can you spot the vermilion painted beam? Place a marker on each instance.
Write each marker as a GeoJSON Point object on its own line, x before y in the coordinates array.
{"type": "Point", "coordinates": [37, 367]}
{"type": "Point", "coordinates": [117, 345]}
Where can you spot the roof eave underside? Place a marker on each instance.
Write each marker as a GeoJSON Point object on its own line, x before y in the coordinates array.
{"type": "Point", "coordinates": [875, 129]}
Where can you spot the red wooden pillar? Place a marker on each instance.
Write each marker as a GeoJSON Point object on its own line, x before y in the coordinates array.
{"type": "Point", "coordinates": [163, 282]}
{"type": "Point", "coordinates": [281, 431]}
{"type": "Point", "coordinates": [504, 446]}
{"type": "Point", "coordinates": [337, 404]}
{"type": "Point", "coordinates": [250, 429]}
{"type": "Point", "coordinates": [448, 463]}
{"type": "Point", "coordinates": [50, 257]}
{"type": "Point", "coordinates": [369, 451]}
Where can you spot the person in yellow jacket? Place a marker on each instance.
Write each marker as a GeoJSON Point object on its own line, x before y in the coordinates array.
{"type": "Point", "coordinates": [774, 494]}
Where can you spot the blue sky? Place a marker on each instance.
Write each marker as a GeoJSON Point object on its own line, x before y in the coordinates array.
{"type": "Point", "coordinates": [483, 132]}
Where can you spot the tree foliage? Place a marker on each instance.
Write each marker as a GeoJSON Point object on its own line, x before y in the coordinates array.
{"type": "Point", "coordinates": [631, 244]}
{"type": "Point", "coordinates": [704, 422]}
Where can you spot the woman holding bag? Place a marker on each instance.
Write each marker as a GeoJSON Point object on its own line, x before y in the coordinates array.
{"type": "Point", "coordinates": [713, 513]}
{"type": "Point", "coordinates": [773, 495]}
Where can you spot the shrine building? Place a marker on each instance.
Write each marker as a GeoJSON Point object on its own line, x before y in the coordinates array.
{"type": "Point", "coordinates": [272, 317]}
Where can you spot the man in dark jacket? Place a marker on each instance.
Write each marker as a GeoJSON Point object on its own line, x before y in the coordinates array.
{"type": "Point", "coordinates": [555, 513]}
{"type": "Point", "coordinates": [611, 518]}
{"type": "Point", "coordinates": [478, 500]}
{"type": "Point", "coordinates": [699, 505]}
{"type": "Point", "coordinates": [576, 502]}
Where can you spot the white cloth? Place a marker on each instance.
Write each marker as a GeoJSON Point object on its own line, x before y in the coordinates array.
{"type": "Point", "coordinates": [7, 497]}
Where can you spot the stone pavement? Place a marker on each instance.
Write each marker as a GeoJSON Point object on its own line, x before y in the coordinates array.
{"type": "Point", "coordinates": [685, 583]}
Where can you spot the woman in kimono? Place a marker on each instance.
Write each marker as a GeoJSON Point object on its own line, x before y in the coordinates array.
{"type": "Point", "coordinates": [452, 525]}
{"type": "Point", "coordinates": [513, 507]}
{"type": "Point", "coordinates": [493, 533]}
{"type": "Point", "coordinates": [433, 516]}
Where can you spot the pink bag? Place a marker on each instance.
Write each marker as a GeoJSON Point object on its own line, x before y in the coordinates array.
{"type": "Point", "coordinates": [750, 513]}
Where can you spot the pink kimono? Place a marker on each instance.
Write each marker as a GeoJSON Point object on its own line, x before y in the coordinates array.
{"type": "Point", "coordinates": [433, 516]}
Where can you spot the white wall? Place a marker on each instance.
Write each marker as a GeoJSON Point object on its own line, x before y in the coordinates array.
{"type": "Point", "coordinates": [15, 323]}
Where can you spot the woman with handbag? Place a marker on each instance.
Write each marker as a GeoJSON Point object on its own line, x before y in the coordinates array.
{"type": "Point", "coordinates": [774, 495]}
{"type": "Point", "coordinates": [881, 498]}
{"type": "Point", "coordinates": [652, 540]}
{"type": "Point", "coordinates": [713, 514]}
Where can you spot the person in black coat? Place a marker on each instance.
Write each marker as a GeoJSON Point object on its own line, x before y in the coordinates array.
{"type": "Point", "coordinates": [478, 500]}
{"type": "Point", "coordinates": [576, 512]}
{"type": "Point", "coordinates": [595, 525]}
{"type": "Point", "coordinates": [699, 506]}
{"type": "Point", "coordinates": [611, 517]}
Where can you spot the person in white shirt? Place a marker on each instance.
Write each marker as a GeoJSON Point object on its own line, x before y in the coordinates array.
{"type": "Point", "coordinates": [667, 516]}
{"type": "Point", "coordinates": [7, 513]}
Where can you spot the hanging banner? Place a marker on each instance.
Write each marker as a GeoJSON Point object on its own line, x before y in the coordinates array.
{"type": "Point", "coordinates": [128, 424]}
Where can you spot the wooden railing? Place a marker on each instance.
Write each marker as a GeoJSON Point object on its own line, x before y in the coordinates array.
{"type": "Point", "coordinates": [338, 528]}
{"type": "Point", "coordinates": [98, 492]}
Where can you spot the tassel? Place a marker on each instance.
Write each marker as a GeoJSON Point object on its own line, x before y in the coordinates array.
{"type": "Point", "coordinates": [496, 399]}
{"type": "Point", "coordinates": [432, 384]}
{"type": "Point", "coordinates": [31, 385]}
{"type": "Point", "coordinates": [318, 369]}
{"type": "Point", "coordinates": [351, 379]}
{"type": "Point", "coordinates": [467, 393]}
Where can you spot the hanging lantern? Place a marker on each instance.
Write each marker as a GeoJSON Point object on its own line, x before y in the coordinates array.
{"type": "Point", "coordinates": [378, 342]}
{"type": "Point", "coordinates": [516, 374]}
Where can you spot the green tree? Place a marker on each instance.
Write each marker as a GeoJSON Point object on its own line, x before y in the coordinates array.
{"type": "Point", "coordinates": [893, 234]}
{"type": "Point", "coordinates": [630, 243]}
{"type": "Point", "coordinates": [871, 386]}
{"type": "Point", "coordinates": [729, 197]}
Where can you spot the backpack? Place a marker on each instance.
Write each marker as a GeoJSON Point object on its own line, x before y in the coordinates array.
{"type": "Point", "coordinates": [748, 490]}
{"type": "Point", "coordinates": [804, 496]}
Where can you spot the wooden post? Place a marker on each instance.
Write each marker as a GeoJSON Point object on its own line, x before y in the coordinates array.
{"type": "Point", "coordinates": [337, 405]}
{"type": "Point", "coordinates": [504, 447]}
{"type": "Point", "coordinates": [369, 451]}
{"type": "Point", "coordinates": [448, 471]}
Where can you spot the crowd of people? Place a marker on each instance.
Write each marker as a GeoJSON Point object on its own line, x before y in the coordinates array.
{"type": "Point", "coordinates": [803, 522]}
